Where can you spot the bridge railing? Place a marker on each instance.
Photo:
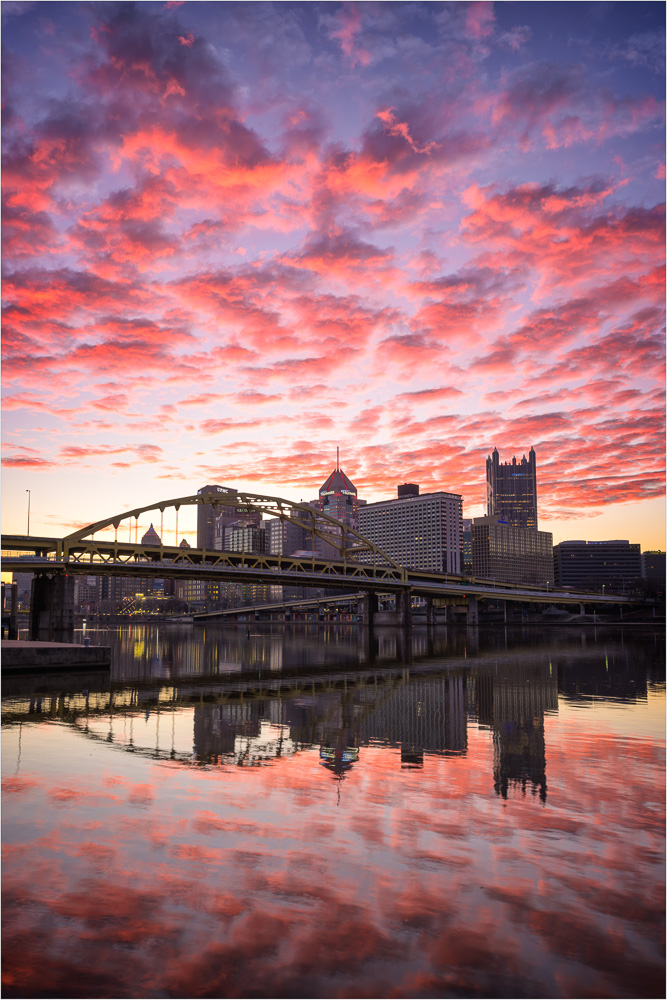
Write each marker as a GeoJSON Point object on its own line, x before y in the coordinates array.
{"type": "Point", "coordinates": [89, 556]}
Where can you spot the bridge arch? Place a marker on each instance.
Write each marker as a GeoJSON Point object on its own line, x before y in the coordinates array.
{"type": "Point", "coordinates": [347, 541]}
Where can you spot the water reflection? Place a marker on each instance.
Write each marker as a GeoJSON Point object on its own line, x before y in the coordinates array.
{"type": "Point", "coordinates": [457, 808]}
{"type": "Point", "coordinates": [274, 693]}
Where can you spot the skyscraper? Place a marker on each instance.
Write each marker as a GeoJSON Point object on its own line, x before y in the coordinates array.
{"type": "Point", "coordinates": [338, 497]}
{"type": "Point", "coordinates": [212, 520]}
{"type": "Point", "coordinates": [206, 515]}
{"type": "Point", "coordinates": [511, 489]}
{"type": "Point", "coordinates": [420, 531]}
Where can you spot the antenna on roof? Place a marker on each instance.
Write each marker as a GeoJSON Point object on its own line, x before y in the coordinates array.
{"type": "Point", "coordinates": [337, 458]}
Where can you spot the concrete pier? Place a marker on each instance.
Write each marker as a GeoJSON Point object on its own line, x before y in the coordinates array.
{"type": "Point", "coordinates": [35, 656]}
{"type": "Point", "coordinates": [404, 609]}
{"type": "Point", "coordinates": [368, 608]}
{"type": "Point", "coordinates": [52, 606]}
{"type": "Point", "coordinates": [9, 615]}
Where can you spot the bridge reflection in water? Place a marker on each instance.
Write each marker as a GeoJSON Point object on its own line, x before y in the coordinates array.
{"type": "Point", "coordinates": [229, 700]}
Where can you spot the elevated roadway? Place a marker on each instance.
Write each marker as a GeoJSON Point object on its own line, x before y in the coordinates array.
{"type": "Point", "coordinates": [42, 555]}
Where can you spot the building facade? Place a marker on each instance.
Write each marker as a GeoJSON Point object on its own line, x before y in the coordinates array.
{"type": "Point", "coordinates": [508, 553]}
{"type": "Point", "coordinates": [243, 537]}
{"type": "Point", "coordinates": [653, 567]}
{"type": "Point", "coordinates": [613, 565]}
{"type": "Point", "coordinates": [418, 531]}
{"type": "Point", "coordinates": [511, 489]}
{"type": "Point", "coordinates": [206, 517]}
{"type": "Point", "coordinates": [285, 538]}
{"type": "Point", "coordinates": [466, 546]}
{"type": "Point", "coordinates": [231, 517]}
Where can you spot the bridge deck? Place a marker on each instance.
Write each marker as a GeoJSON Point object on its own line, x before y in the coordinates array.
{"type": "Point", "coordinates": [100, 558]}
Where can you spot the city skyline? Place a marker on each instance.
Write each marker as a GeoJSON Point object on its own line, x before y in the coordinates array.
{"type": "Point", "coordinates": [240, 236]}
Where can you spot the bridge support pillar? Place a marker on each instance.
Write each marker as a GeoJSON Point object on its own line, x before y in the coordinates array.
{"type": "Point", "coordinates": [582, 609]}
{"type": "Point", "coordinates": [9, 615]}
{"type": "Point", "coordinates": [52, 607]}
{"type": "Point", "coordinates": [404, 608]}
{"type": "Point", "coordinates": [508, 611]}
{"type": "Point", "coordinates": [368, 607]}
{"type": "Point", "coordinates": [430, 611]}
{"type": "Point", "coordinates": [450, 617]}
{"type": "Point", "coordinates": [473, 610]}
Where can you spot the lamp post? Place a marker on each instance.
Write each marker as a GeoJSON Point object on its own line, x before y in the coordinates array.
{"type": "Point", "coordinates": [28, 492]}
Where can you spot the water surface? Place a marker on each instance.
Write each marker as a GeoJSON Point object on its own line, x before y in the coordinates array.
{"type": "Point", "coordinates": [306, 812]}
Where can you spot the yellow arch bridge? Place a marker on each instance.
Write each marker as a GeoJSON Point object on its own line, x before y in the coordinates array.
{"type": "Point", "coordinates": [351, 562]}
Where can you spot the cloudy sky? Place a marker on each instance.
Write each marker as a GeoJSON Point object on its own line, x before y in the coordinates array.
{"type": "Point", "coordinates": [237, 235]}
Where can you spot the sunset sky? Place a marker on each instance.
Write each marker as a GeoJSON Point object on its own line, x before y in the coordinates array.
{"type": "Point", "coordinates": [238, 235]}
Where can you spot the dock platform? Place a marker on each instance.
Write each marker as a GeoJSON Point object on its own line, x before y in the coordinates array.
{"type": "Point", "coordinates": [21, 656]}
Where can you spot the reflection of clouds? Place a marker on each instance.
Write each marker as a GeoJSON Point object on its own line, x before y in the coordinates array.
{"type": "Point", "coordinates": [232, 881]}
{"type": "Point", "coordinates": [141, 795]}
{"type": "Point", "coordinates": [19, 783]}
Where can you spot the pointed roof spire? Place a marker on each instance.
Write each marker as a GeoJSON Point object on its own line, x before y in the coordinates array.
{"type": "Point", "coordinates": [337, 458]}
{"type": "Point", "coordinates": [151, 537]}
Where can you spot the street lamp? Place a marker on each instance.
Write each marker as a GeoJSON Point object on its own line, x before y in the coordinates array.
{"type": "Point", "coordinates": [28, 492]}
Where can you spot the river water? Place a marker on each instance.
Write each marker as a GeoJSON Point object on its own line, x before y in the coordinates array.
{"type": "Point", "coordinates": [302, 811]}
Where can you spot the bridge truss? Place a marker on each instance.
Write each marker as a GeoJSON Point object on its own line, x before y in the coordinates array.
{"type": "Point", "coordinates": [350, 556]}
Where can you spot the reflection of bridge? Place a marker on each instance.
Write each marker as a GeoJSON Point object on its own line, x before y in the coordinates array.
{"type": "Point", "coordinates": [359, 563]}
{"type": "Point", "coordinates": [418, 696]}
{"type": "Point", "coordinates": [249, 718]}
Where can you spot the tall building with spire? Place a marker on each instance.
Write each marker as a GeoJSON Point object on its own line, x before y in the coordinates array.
{"type": "Point", "coordinates": [511, 490]}
{"type": "Point", "coordinates": [338, 497]}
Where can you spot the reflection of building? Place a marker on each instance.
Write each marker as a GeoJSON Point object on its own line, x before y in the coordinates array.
{"type": "Point", "coordinates": [421, 531]}
{"type": "Point", "coordinates": [424, 716]}
{"type": "Point", "coordinates": [512, 703]}
{"type": "Point", "coordinates": [511, 489]}
{"type": "Point", "coordinates": [617, 673]}
{"type": "Point", "coordinates": [501, 551]}
{"type": "Point", "coordinates": [240, 733]}
{"type": "Point", "coordinates": [592, 565]}
{"type": "Point", "coordinates": [216, 728]}
{"type": "Point", "coordinates": [340, 753]}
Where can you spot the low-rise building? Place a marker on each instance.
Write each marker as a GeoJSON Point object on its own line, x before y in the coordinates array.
{"type": "Point", "coordinates": [653, 566]}
{"type": "Point", "coordinates": [613, 565]}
